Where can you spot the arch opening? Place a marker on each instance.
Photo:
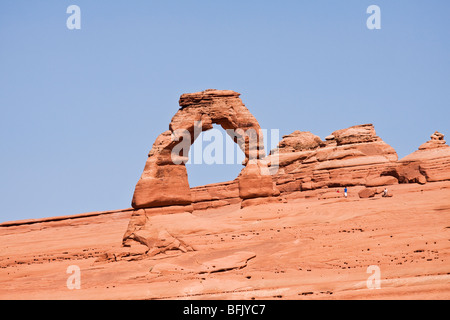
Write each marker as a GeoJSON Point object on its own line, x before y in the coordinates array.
{"type": "Point", "coordinates": [213, 157]}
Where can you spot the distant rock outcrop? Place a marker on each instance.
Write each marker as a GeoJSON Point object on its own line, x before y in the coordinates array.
{"type": "Point", "coordinates": [348, 157]}
{"type": "Point", "coordinates": [430, 163]}
{"type": "Point", "coordinates": [357, 156]}
{"type": "Point", "coordinates": [436, 141]}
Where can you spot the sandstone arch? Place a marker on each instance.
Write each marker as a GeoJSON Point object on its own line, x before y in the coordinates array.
{"type": "Point", "coordinates": [164, 180]}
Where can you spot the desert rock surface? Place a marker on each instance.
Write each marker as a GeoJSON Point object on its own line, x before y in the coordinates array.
{"type": "Point", "coordinates": [306, 247]}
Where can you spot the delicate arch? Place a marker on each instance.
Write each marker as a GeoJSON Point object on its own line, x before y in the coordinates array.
{"type": "Point", "coordinates": [164, 179]}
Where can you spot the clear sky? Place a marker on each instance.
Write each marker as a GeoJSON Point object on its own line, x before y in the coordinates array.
{"type": "Point", "coordinates": [80, 109]}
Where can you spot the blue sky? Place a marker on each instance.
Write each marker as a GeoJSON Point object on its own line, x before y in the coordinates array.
{"type": "Point", "coordinates": [80, 109]}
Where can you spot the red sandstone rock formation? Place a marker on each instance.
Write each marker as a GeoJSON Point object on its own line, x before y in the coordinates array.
{"type": "Point", "coordinates": [298, 140]}
{"type": "Point", "coordinates": [164, 180]}
{"type": "Point", "coordinates": [348, 157]}
{"type": "Point", "coordinates": [430, 163]}
{"type": "Point", "coordinates": [354, 156]}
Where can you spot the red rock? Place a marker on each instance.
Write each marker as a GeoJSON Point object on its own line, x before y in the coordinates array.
{"type": "Point", "coordinates": [287, 158]}
{"type": "Point", "coordinates": [307, 186]}
{"type": "Point", "coordinates": [159, 241]}
{"type": "Point", "coordinates": [330, 195]}
{"type": "Point", "coordinates": [432, 160]}
{"type": "Point", "coordinates": [259, 201]}
{"type": "Point", "coordinates": [255, 181]}
{"type": "Point", "coordinates": [300, 141]}
{"type": "Point", "coordinates": [433, 144]}
{"type": "Point", "coordinates": [289, 186]}
{"type": "Point", "coordinates": [367, 193]}
{"type": "Point", "coordinates": [406, 173]}
{"type": "Point", "coordinates": [358, 155]}
{"type": "Point", "coordinates": [164, 180]}
{"type": "Point", "coordinates": [381, 181]}
{"type": "Point", "coordinates": [216, 191]}
{"type": "Point", "coordinates": [284, 241]}
{"type": "Point", "coordinates": [162, 186]}
{"type": "Point", "coordinates": [287, 233]}
{"type": "Point", "coordinates": [203, 205]}
{"type": "Point", "coordinates": [421, 179]}
{"type": "Point", "coordinates": [437, 141]}
{"type": "Point", "coordinates": [357, 134]}
{"type": "Point", "coordinates": [139, 219]}
{"type": "Point", "coordinates": [237, 260]}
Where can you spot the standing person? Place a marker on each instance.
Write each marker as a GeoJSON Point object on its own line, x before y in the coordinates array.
{"type": "Point", "coordinates": [385, 192]}
{"type": "Point", "coordinates": [345, 192]}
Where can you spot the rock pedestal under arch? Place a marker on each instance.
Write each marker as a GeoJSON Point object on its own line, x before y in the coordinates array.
{"type": "Point", "coordinates": [164, 180]}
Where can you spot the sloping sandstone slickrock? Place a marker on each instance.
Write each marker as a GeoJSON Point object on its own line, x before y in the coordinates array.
{"type": "Point", "coordinates": [161, 232]}
{"type": "Point", "coordinates": [299, 247]}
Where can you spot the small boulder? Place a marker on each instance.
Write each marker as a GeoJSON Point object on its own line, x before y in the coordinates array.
{"type": "Point", "coordinates": [367, 193]}
{"type": "Point", "coordinates": [299, 141]}
{"type": "Point", "coordinates": [421, 179]}
{"type": "Point", "coordinates": [357, 134]}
